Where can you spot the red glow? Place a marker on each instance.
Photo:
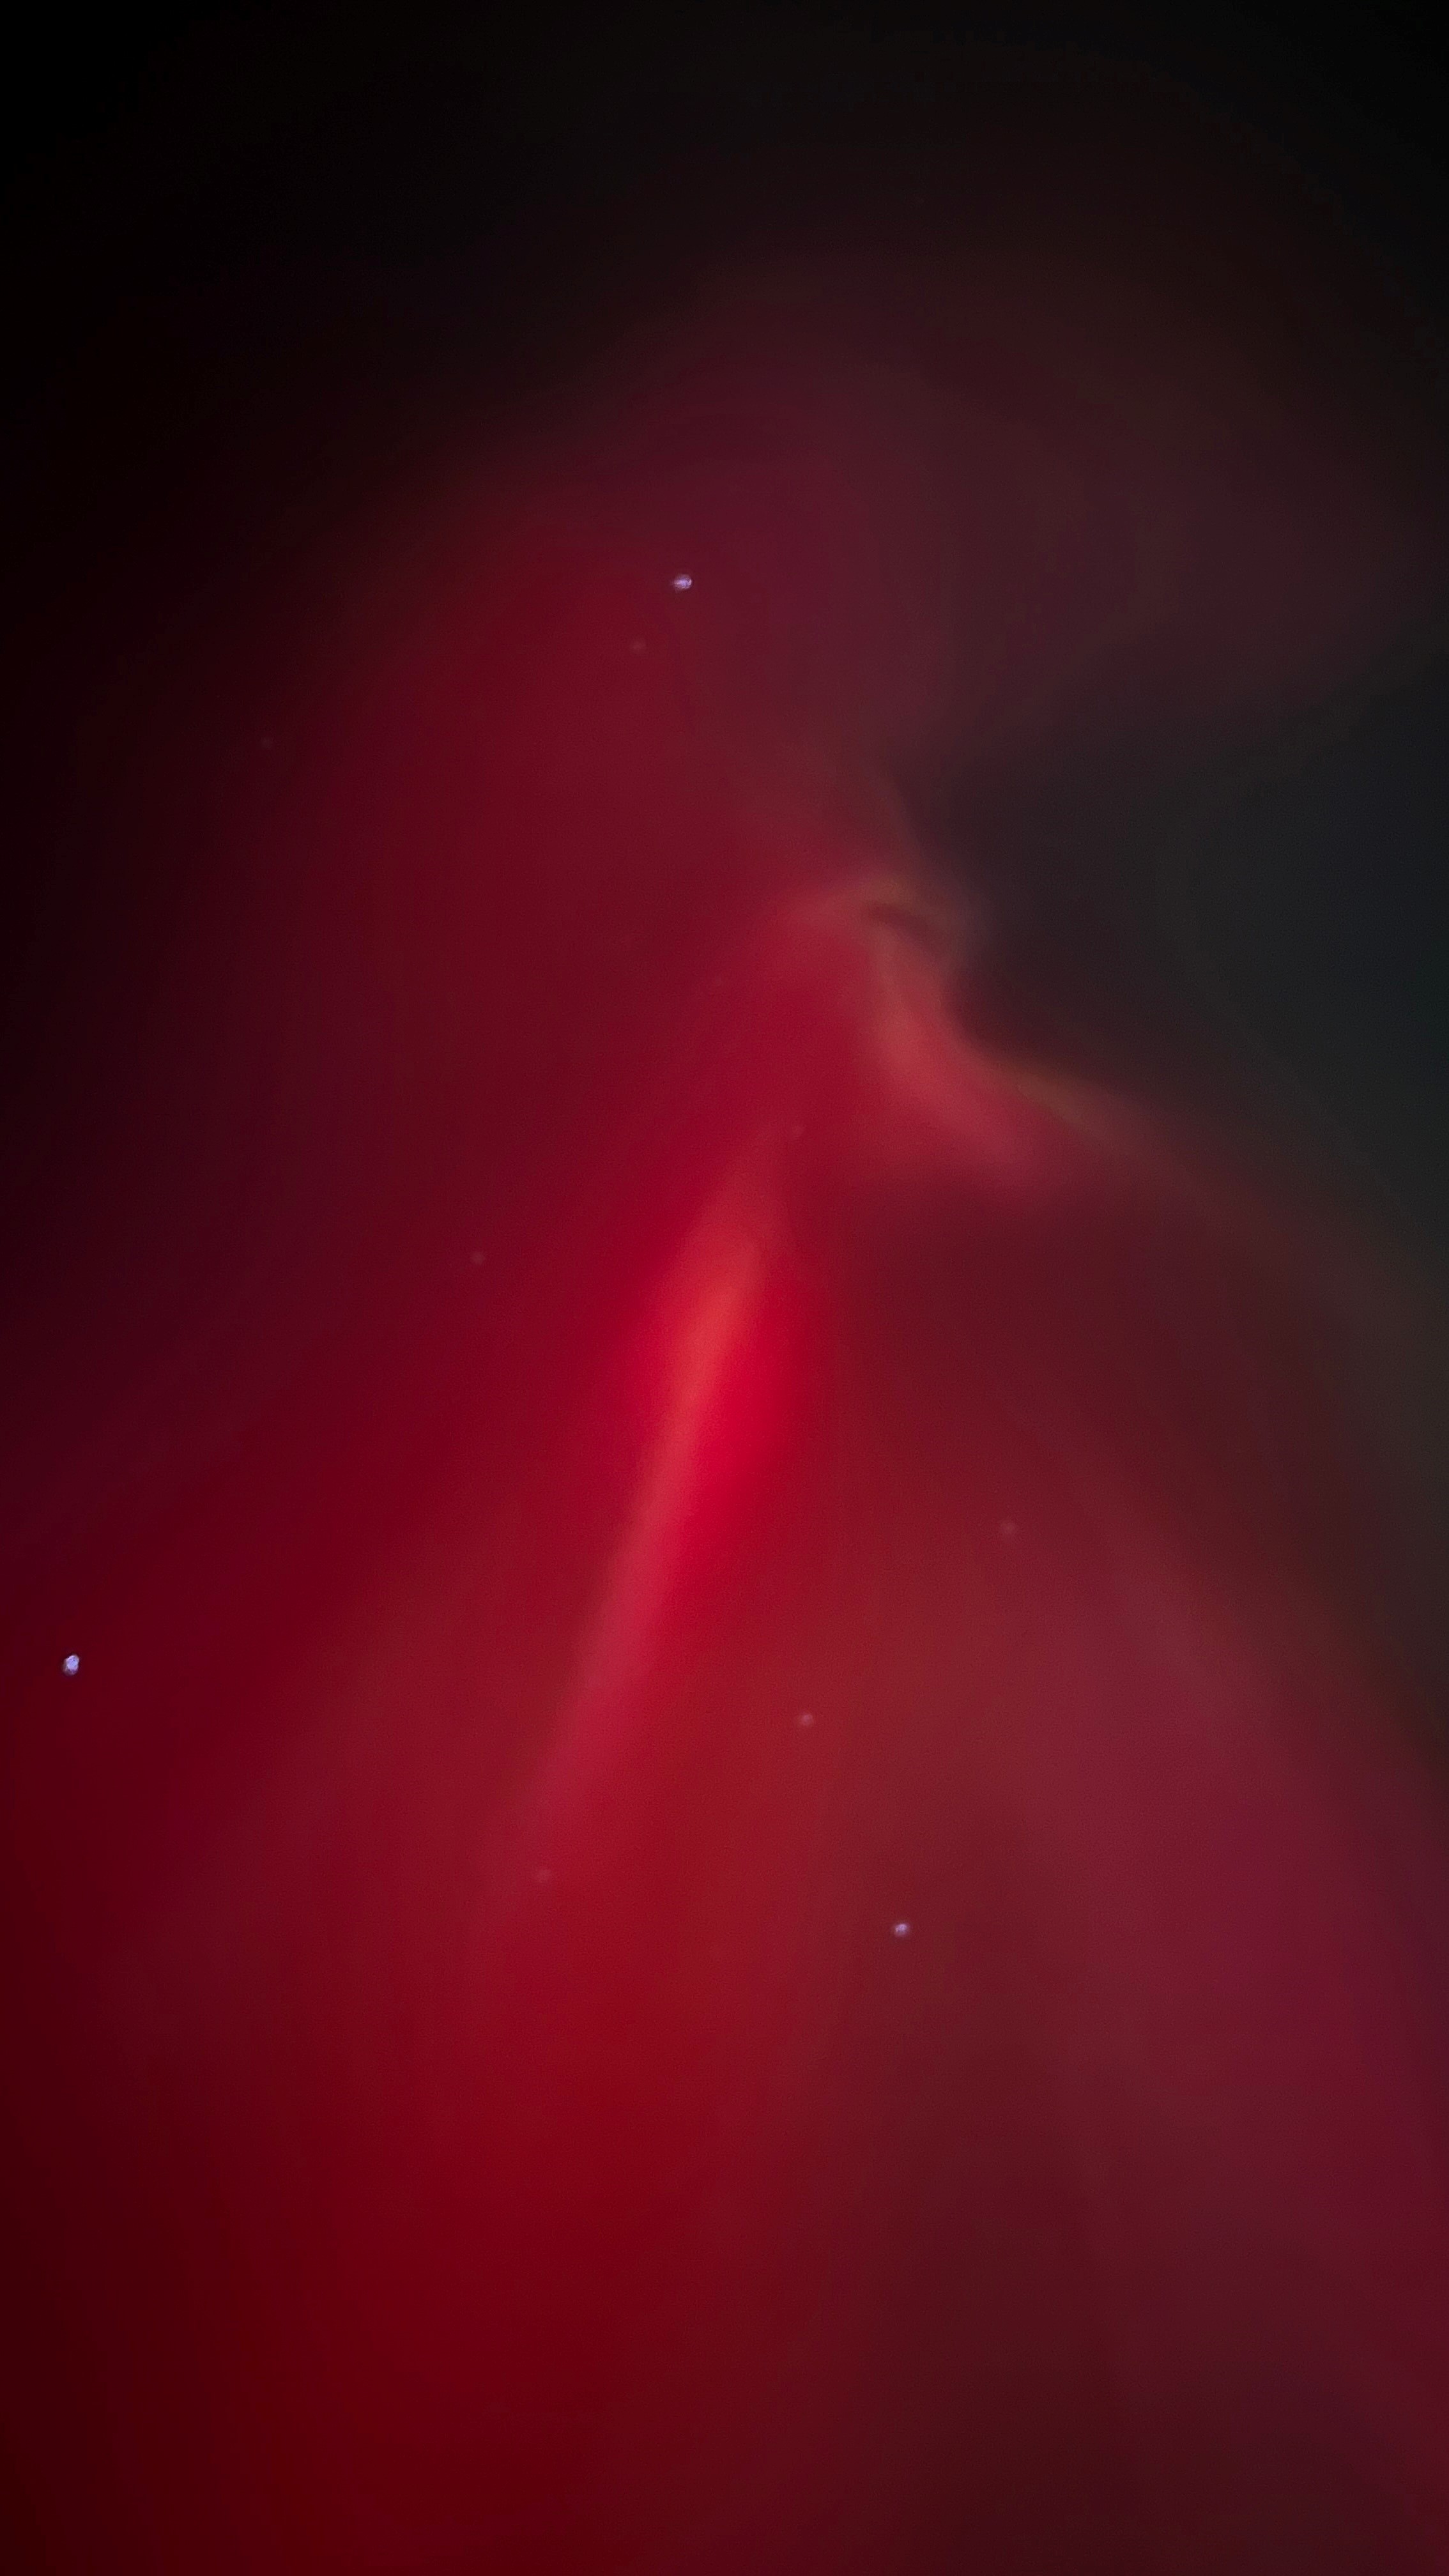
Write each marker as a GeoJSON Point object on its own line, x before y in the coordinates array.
{"type": "Point", "coordinates": [476, 2110]}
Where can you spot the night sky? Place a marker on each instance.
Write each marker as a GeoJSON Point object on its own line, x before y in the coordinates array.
{"type": "Point", "coordinates": [724, 1120]}
{"type": "Point", "coordinates": [272, 248]}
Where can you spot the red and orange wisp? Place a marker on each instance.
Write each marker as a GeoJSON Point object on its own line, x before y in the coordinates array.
{"type": "Point", "coordinates": [730, 1881]}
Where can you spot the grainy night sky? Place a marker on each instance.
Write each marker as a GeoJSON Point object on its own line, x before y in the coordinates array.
{"type": "Point", "coordinates": [724, 1120]}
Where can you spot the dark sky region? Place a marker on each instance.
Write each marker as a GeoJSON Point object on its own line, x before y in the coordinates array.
{"type": "Point", "coordinates": [268, 249]}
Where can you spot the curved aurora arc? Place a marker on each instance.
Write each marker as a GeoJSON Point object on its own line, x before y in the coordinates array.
{"type": "Point", "coordinates": [729, 1880]}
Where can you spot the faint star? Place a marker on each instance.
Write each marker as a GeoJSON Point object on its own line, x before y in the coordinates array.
{"type": "Point", "coordinates": [901, 1931]}
{"type": "Point", "coordinates": [682, 581]}
{"type": "Point", "coordinates": [71, 1664]}
{"type": "Point", "coordinates": [805, 1718]}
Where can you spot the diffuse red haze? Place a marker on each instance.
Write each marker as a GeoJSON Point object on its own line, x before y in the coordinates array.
{"type": "Point", "coordinates": [732, 1878]}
